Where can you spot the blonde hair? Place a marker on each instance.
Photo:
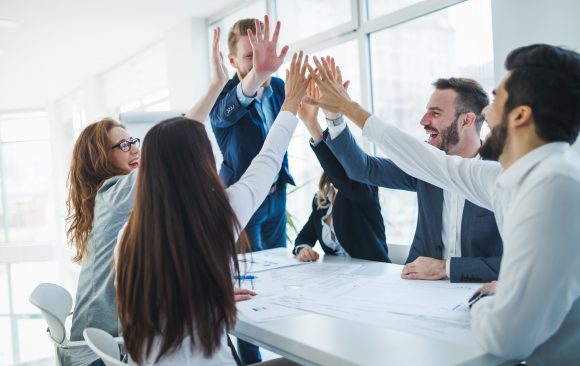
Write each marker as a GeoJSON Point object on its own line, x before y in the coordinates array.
{"type": "Point", "coordinates": [240, 29]}
{"type": "Point", "coordinates": [325, 187]}
{"type": "Point", "coordinates": [89, 168]}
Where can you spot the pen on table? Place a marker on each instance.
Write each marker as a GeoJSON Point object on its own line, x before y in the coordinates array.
{"type": "Point", "coordinates": [247, 277]}
{"type": "Point", "coordinates": [477, 296]}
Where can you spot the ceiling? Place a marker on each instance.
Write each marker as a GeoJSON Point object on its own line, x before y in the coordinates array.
{"type": "Point", "coordinates": [60, 43]}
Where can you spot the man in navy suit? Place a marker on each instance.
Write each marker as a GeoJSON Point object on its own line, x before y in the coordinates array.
{"type": "Point", "coordinates": [240, 119]}
{"type": "Point", "coordinates": [454, 238]}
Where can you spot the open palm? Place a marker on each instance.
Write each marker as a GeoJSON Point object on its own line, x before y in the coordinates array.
{"type": "Point", "coordinates": [265, 58]}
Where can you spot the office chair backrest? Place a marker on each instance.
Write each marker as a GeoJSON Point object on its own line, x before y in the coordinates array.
{"type": "Point", "coordinates": [104, 345]}
{"type": "Point", "coordinates": [55, 303]}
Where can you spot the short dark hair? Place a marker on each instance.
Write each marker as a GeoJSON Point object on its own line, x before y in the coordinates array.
{"type": "Point", "coordinates": [547, 79]}
{"type": "Point", "coordinates": [470, 97]}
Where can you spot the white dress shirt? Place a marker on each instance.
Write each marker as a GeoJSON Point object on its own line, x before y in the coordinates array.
{"type": "Point", "coordinates": [535, 313]}
{"type": "Point", "coordinates": [451, 215]}
{"type": "Point", "coordinates": [245, 196]}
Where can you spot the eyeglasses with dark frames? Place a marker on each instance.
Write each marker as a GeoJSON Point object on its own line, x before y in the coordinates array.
{"type": "Point", "coordinates": [125, 145]}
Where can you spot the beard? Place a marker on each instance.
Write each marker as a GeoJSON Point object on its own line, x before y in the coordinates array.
{"type": "Point", "coordinates": [493, 147]}
{"type": "Point", "coordinates": [449, 137]}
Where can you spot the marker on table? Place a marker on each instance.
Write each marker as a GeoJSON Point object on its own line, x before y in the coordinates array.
{"type": "Point", "coordinates": [247, 277]}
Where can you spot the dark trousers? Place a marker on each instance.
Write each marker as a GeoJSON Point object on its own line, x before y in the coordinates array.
{"type": "Point", "coordinates": [266, 230]}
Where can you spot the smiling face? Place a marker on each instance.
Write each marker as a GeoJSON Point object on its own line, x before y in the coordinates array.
{"type": "Point", "coordinates": [121, 160]}
{"type": "Point", "coordinates": [440, 121]}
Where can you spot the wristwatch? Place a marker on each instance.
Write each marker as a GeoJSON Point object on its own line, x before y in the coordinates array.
{"type": "Point", "coordinates": [335, 122]}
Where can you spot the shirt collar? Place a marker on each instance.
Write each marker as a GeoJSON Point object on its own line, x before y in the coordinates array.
{"type": "Point", "coordinates": [514, 174]}
{"type": "Point", "coordinates": [267, 92]}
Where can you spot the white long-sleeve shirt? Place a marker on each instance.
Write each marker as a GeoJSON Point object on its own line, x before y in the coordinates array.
{"type": "Point", "coordinates": [535, 313]}
{"type": "Point", "coordinates": [451, 215]}
{"type": "Point", "coordinates": [245, 196]}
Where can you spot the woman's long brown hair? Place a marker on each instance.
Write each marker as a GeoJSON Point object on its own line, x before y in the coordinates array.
{"type": "Point", "coordinates": [89, 168]}
{"type": "Point", "coordinates": [177, 257]}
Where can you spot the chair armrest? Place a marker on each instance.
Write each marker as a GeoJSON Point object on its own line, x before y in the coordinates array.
{"type": "Point", "coordinates": [74, 344]}
{"type": "Point", "coordinates": [119, 340]}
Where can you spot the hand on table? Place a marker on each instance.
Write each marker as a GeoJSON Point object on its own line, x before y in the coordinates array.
{"type": "Point", "coordinates": [242, 294]}
{"type": "Point", "coordinates": [307, 254]}
{"type": "Point", "coordinates": [425, 268]}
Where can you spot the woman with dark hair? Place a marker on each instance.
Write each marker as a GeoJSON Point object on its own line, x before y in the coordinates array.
{"type": "Point", "coordinates": [346, 215]}
{"type": "Point", "coordinates": [176, 258]}
{"type": "Point", "coordinates": [102, 177]}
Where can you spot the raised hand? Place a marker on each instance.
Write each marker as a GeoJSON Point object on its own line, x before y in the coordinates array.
{"type": "Point", "coordinates": [308, 113]}
{"type": "Point", "coordinates": [333, 95]}
{"type": "Point", "coordinates": [338, 76]}
{"type": "Point", "coordinates": [265, 59]}
{"type": "Point", "coordinates": [219, 71]}
{"type": "Point", "coordinates": [296, 82]}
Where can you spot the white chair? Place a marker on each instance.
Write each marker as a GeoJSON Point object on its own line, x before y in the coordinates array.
{"type": "Point", "coordinates": [55, 303]}
{"type": "Point", "coordinates": [104, 345]}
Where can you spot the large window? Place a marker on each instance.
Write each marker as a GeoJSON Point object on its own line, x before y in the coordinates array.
{"type": "Point", "coordinates": [27, 232]}
{"type": "Point", "coordinates": [25, 187]}
{"type": "Point", "coordinates": [391, 51]}
{"type": "Point", "coordinates": [405, 60]}
{"type": "Point", "coordinates": [302, 19]}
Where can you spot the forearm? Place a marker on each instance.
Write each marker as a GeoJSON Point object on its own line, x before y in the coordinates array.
{"type": "Point", "coordinates": [200, 110]}
{"type": "Point", "coordinates": [252, 82]}
{"type": "Point", "coordinates": [355, 113]}
{"type": "Point", "coordinates": [473, 178]}
{"type": "Point", "coordinates": [291, 104]}
{"type": "Point", "coordinates": [315, 130]}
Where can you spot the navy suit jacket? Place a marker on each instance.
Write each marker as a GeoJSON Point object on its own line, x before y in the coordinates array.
{"type": "Point", "coordinates": [240, 131]}
{"type": "Point", "coordinates": [481, 244]}
{"type": "Point", "coordinates": [356, 214]}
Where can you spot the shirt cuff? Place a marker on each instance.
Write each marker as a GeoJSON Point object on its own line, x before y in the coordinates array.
{"type": "Point", "coordinates": [244, 101]}
{"type": "Point", "coordinates": [336, 129]}
{"type": "Point", "coordinates": [448, 268]}
{"type": "Point", "coordinates": [315, 143]}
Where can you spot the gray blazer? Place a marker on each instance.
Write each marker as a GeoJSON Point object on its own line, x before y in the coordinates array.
{"type": "Point", "coordinates": [95, 304]}
{"type": "Point", "coordinates": [481, 244]}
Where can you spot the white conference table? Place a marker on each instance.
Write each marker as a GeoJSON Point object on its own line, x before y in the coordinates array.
{"type": "Point", "coordinates": [315, 339]}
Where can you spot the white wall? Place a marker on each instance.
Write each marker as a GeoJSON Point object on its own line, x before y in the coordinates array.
{"type": "Point", "coordinates": [521, 22]}
{"type": "Point", "coordinates": [187, 58]}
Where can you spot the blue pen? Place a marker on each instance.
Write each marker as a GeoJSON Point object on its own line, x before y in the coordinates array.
{"type": "Point", "coordinates": [248, 277]}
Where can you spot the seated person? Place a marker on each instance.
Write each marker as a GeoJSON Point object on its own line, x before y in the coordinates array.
{"type": "Point", "coordinates": [176, 257]}
{"type": "Point", "coordinates": [346, 215]}
{"type": "Point", "coordinates": [455, 238]}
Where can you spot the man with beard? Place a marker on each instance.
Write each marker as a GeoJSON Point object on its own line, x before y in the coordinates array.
{"type": "Point", "coordinates": [534, 191]}
{"type": "Point", "coordinates": [241, 119]}
{"type": "Point", "coordinates": [455, 238]}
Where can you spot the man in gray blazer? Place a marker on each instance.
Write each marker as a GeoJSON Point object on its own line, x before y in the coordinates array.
{"type": "Point", "coordinates": [454, 238]}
